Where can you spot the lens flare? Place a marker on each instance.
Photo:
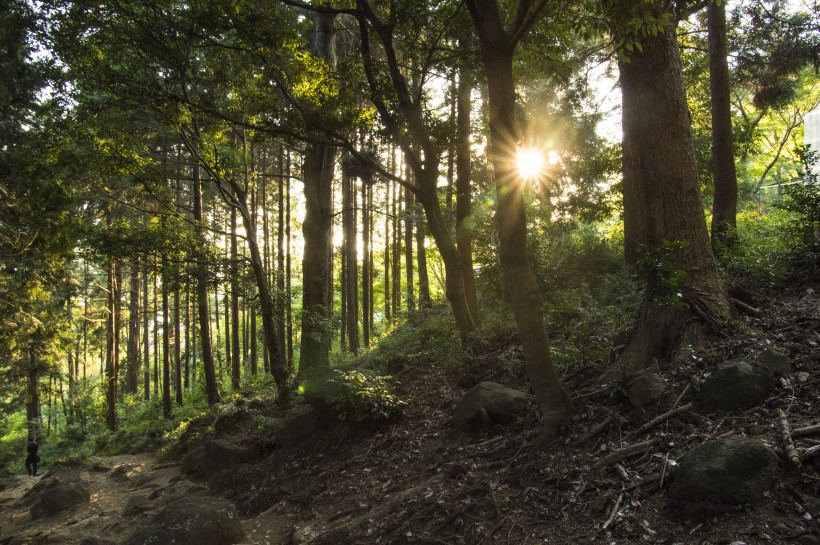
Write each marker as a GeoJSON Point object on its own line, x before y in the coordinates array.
{"type": "Point", "coordinates": [531, 164]}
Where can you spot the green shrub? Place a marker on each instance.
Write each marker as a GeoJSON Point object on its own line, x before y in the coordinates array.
{"type": "Point", "coordinates": [359, 396]}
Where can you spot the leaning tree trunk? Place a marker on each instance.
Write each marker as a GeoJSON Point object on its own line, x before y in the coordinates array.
{"type": "Point", "coordinates": [659, 168]}
{"type": "Point", "coordinates": [724, 207]}
{"type": "Point", "coordinates": [511, 222]}
{"type": "Point", "coordinates": [318, 169]}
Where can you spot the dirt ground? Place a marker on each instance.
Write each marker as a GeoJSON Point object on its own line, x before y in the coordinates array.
{"type": "Point", "coordinates": [419, 481]}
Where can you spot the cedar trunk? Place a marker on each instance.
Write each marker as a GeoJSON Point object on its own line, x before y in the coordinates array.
{"type": "Point", "coordinates": [525, 297]}
{"type": "Point", "coordinates": [664, 207]}
{"type": "Point", "coordinates": [724, 207]}
{"type": "Point", "coordinates": [319, 165]}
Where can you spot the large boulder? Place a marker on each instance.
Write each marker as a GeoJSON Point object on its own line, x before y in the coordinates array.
{"type": "Point", "coordinates": [59, 498]}
{"type": "Point", "coordinates": [298, 426]}
{"type": "Point", "coordinates": [487, 404]}
{"type": "Point", "coordinates": [722, 473]}
{"type": "Point", "coordinates": [736, 385]}
{"type": "Point", "coordinates": [220, 454]}
{"type": "Point", "coordinates": [192, 521]}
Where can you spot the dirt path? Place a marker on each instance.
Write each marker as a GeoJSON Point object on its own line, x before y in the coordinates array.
{"type": "Point", "coordinates": [125, 492]}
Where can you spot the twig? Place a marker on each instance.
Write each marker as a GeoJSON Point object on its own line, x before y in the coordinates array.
{"type": "Point", "coordinates": [744, 308]}
{"type": "Point", "coordinates": [597, 429]}
{"type": "Point", "coordinates": [665, 416]}
{"type": "Point", "coordinates": [785, 434]}
{"type": "Point", "coordinates": [621, 471]}
{"type": "Point", "coordinates": [677, 401]}
{"type": "Point", "coordinates": [614, 511]}
{"type": "Point", "coordinates": [663, 471]}
{"type": "Point", "coordinates": [810, 454]}
{"type": "Point", "coordinates": [625, 452]}
{"type": "Point", "coordinates": [802, 432]}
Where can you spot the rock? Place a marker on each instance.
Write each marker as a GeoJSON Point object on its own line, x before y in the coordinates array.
{"type": "Point", "coordinates": [95, 541]}
{"type": "Point", "coordinates": [778, 363]}
{"type": "Point", "coordinates": [59, 498]}
{"type": "Point", "coordinates": [297, 427]}
{"type": "Point", "coordinates": [489, 403]}
{"type": "Point", "coordinates": [192, 521]}
{"type": "Point", "coordinates": [722, 473]}
{"type": "Point", "coordinates": [192, 463]}
{"type": "Point", "coordinates": [735, 386]}
{"type": "Point", "coordinates": [803, 377]}
{"type": "Point", "coordinates": [179, 489]}
{"type": "Point", "coordinates": [137, 503]}
{"type": "Point", "coordinates": [645, 389]}
{"type": "Point", "coordinates": [220, 454]}
{"type": "Point", "coordinates": [121, 472]}
{"type": "Point", "coordinates": [809, 539]}
{"type": "Point", "coordinates": [222, 480]}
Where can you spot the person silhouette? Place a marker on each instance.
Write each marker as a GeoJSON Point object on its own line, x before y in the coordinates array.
{"type": "Point", "coordinates": [33, 458]}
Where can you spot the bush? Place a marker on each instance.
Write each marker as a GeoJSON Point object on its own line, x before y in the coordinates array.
{"type": "Point", "coordinates": [359, 396]}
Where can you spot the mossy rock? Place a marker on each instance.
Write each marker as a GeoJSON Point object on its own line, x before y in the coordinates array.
{"type": "Point", "coordinates": [192, 521]}
{"type": "Point", "coordinates": [487, 404]}
{"type": "Point", "coordinates": [735, 386]}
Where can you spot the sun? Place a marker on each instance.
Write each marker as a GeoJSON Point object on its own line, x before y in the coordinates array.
{"type": "Point", "coordinates": [531, 163]}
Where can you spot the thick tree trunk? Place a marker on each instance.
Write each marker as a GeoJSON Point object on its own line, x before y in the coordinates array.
{"type": "Point", "coordinates": [659, 167]}
{"type": "Point", "coordinates": [511, 221]}
{"type": "Point", "coordinates": [318, 169]}
{"type": "Point", "coordinates": [133, 351]}
{"type": "Point", "coordinates": [724, 206]}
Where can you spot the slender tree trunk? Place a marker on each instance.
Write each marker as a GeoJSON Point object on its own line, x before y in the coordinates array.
{"type": "Point", "coordinates": [146, 355]}
{"type": "Point", "coordinates": [288, 261]}
{"type": "Point", "coordinates": [33, 396]}
{"type": "Point", "coordinates": [464, 197]}
{"type": "Point", "coordinates": [166, 341]}
{"type": "Point", "coordinates": [110, 371]}
{"type": "Point", "coordinates": [396, 244]}
{"type": "Point", "coordinates": [156, 337]}
{"type": "Point", "coordinates": [190, 351]}
{"type": "Point", "coordinates": [409, 283]}
{"type": "Point", "coordinates": [133, 352]}
{"type": "Point", "coordinates": [497, 48]}
{"type": "Point", "coordinates": [280, 250]}
{"type": "Point", "coordinates": [366, 281]}
{"type": "Point", "coordinates": [659, 165]}
{"type": "Point", "coordinates": [118, 281]}
{"type": "Point", "coordinates": [351, 287]}
{"type": "Point", "coordinates": [724, 207]}
{"type": "Point", "coordinates": [235, 359]}
{"type": "Point", "coordinates": [177, 340]}
{"type": "Point", "coordinates": [425, 301]}
{"type": "Point", "coordinates": [211, 391]}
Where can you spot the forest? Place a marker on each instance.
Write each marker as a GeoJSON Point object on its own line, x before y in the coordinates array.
{"type": "Point", "coordinates": [310, 233]}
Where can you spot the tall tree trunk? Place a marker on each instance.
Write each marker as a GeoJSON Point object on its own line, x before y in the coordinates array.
{"type": "Point", "coordinates": [33, 395]}
{"type": "Point", "coordinates": [497, 49]}
{"type": "Point", "coordinates": [464, 197]}
{"type": "Point", "coordinates": [190, 351]}
{"type": "Point", "coordinates": [235, 359]}
{"type": "Point", "coordinates": [133, 351]}
{"type": "Point", "coordinates": [351, 287]}
{"type": "Point", "coordinates": [281, 297]}
{"type": "Point", "coordinates": [288, 262]}
{"type": "Point", "coordinates": [146, 355]}
{"type": "Point", "coordinates": [659, 167]}
{"type": "Point", "coordinates": [110, 371]}
{"type": "Point", "coordinates": [318, 170]}
{"type": "Point", "coordinates": [156, 336]}
{"type": "Point", "coordinates": [724, 206]}
{"type": "Point", "coordinates": [211, 390]}
{"type": "Point", "coordinates": [166, 341]}
{"type": "Point", "coordinates": [425, 301]}
{"type": "Point", "coordinates": [118, 281]}
{"type": "Point", "coordinates": [366, 280]}
{"type": "Point", "coordinates": [409, 282]}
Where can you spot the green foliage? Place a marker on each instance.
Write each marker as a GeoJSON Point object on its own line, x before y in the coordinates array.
{"type": "Point", "coordinates": [762, 257]}
{"type": "Point", "coordinates": [13, 436]}
{"type": "Point", "coordinates": [362, 396]}
{"type": "Point", "coordinates": [660, 268]}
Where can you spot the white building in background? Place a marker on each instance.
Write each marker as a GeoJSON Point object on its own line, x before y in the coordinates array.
{"type": "Point", "coordinates": [811, 134]}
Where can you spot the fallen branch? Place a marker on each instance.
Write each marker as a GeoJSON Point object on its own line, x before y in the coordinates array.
{"type": "Point", "coordinates": [601, 427]}
{"type": "Point", "coordinates": [744, 308]}
{"type": "Point", "coordinates": [802, 432]}
{"type": "Point", "coordinates": [614, 511]}
{"type": "Point", "coordinates": [785, 434]}
{"type": "Point", "coordinates": [810, 454]}
{"type": "Point", "coordinates": [620, 454]}
{"type": "Point", "coordinates": [664, 417]}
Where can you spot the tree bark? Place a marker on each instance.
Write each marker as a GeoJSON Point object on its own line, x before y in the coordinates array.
{"type": "Point", "coordinates": [166, 341]}
{"type": "Point", "coordinates": [235, 359]}
{"type": "Point", "coordinates": [146, 355]}
{"type": "Point", "coordinates": [464, 197]}
{"type": "Point", "coordinates": [497, 47]}
{"type": "Point", "coordinates": [133, 351]}
{"type": "Point", "coordinates": [724, 206]}
{"type": "Point", "coordinates": [659, 167]}
{"type": "Point", "coordinates": [110, 373]}
{"type": "Point", "coordinates": [211, 390]}
{"type": "Point", "coordinates": [319, 164]}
